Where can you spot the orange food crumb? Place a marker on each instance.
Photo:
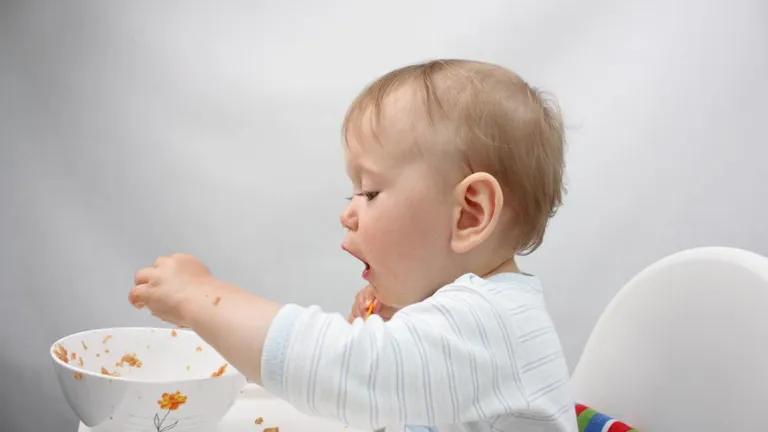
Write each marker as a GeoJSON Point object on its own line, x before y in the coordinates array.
{"type": "Point", "coordinates": [371, 308]}
{"type": "Point", "coordinates": [220, 372]}
{"type": "Point", "coordinates": [131, 359]}
{"type": "Point", "coordinates": [61, 353]}
{"type": "Point", "coordinates": [104, 371]}
{"type": "Point", "coordinates": [78, 376]}
{"type": "Point", "coordinates": [73, 355]}
{"type": "Point", "coordinates": [106, 338]}
{"type": "Point", "coordinates": [199, 349]}
{"type": "Point", "coordinates": [216, 301]}
{"type": "Point", "coordinates": [173, 333]}
{"type": "Point", "coordinates": [272, 429]}
{"type": "Point", "coordinates": [259, 420]}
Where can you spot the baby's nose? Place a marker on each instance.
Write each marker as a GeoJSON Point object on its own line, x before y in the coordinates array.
{"type": "Point", "coordinates": [348, 219]}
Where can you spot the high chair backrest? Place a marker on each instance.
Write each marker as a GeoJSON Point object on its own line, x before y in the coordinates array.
{"type": "Point", "coordinates": [683, 346]}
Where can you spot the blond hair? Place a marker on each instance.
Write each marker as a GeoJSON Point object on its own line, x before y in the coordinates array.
{"type": "Point", "coordinates": [502, 126]}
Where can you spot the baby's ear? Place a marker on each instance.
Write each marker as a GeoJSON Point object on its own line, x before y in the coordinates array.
{"type": "Point", "coordinates": [477, 208]}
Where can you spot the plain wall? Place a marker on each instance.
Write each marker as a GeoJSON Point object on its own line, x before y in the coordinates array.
{"type": "Point", "coordinates": [134, 129]}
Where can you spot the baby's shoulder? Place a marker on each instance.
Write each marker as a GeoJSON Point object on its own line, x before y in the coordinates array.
{"type": "Point", "coordinates": [476, 297]}
{"type": "Point", "coordinates": [502, 287]}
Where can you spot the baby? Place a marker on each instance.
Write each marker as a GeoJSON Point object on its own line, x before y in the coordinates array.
{"type": "Point", "coordinates": [456, 167]}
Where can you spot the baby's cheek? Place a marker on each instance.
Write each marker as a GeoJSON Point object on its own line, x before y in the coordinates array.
{"type": "Point", "coordinates": [385, 232]}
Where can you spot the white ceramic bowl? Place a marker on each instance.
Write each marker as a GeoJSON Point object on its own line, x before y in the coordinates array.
{"type": "Point", "coordinates": [145, 380]}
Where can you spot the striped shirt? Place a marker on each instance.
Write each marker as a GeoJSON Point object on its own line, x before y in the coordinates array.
{"type": "Point", "coordinates": [480, 354]}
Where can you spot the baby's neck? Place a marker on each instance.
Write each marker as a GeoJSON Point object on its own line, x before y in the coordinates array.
{"type": "Point", "coordinates": [507, 266]}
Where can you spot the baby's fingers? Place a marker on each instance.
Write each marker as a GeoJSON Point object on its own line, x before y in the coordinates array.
{"type": "Point", "coordinates": [138, 295]}
{"type": "Point", "coordinates": [355, 312]}
{"type": "Point", "coordinates": [144, 276]}
{"type": "Point", "coordinates": [359, 306]}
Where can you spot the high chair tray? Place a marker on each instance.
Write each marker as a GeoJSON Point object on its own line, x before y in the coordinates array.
{"type": "Point", "coordinates": [256, 402]}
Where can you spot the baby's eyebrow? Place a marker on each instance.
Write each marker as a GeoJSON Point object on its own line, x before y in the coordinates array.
{"type": "Point", "coordinates": [357, 171]}
{"type": "Point", "coordinates": [370, 172]}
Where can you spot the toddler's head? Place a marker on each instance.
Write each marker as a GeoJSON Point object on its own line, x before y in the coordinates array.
{"type": "Point", "coordinates": [456, 167]}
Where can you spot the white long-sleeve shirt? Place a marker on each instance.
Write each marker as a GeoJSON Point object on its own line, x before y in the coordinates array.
{"type": "Point", "coordinates": [478, 355]}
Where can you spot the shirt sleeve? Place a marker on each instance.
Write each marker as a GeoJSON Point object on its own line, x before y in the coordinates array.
{"type": "Point", "coordinates": [446, 360]}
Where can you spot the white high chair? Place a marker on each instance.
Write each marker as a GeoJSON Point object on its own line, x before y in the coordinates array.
{"type": "Point", "coordinates": [683, 346]}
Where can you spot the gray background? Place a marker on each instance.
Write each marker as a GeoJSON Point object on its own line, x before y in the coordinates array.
{"type": "Point", "coordinates": [139, 128]}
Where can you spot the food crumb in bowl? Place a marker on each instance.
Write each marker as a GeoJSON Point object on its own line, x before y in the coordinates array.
{"type": "Point", "coordinates": [61, 353]}
{"type": "Point", "coordinates": [173, 333]}
{"type": "Point", "coordinates": [272, 429]}
{"type": "Point", "coordinates": [98, 354]}
{"type": "Point", "coordinates": [106, 351]}
{"type": "Point", "coordinates": [106, 338]}
{"type": "Point", "coordinates": [104, 371]}
{"type": "Point", "coordinates": [216, 301]}
{"type": "Point", "coordinates": [80, 361]}
{"type": "Point", "coordinates": [259, 420]}
{"type": "Point", "coordinates": [220, 371]}
{"type": "Point", "coordinates": [131, 359]}
{"type": "Point", "coordinates": [199, 349]}
{"type": "Point", "coordinates": [73, 355]}
{"type": "Point", "coordinates": [78, 376]}
{"type": "Point", "coordinates": [85, 347]}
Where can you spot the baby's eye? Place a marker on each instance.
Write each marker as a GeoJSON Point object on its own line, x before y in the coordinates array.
{"type": "Point", "coordinates": [368, 195]}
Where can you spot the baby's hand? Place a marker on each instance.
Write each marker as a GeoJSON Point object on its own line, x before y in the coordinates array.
{"type": "Point", "coordinates": [366, 304]}
{"type": "Point", "coordinates": [170, 285]}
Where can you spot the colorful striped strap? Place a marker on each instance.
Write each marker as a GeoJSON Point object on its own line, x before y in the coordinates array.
{"type": "Point", "coordinates": [590, 420]}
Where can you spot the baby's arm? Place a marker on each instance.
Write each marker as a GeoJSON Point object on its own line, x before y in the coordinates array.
{"type": "Point", "coordinates": [432, 363]}
{"type": "Point", "coordinates": [180, 289]}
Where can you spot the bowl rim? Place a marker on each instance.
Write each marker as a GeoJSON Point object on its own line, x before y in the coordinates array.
{"type": "Point", "coordinates": [231, 373]}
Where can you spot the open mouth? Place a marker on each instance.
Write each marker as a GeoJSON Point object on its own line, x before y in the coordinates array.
{"type": "Point", "coordinates": [367, 270]}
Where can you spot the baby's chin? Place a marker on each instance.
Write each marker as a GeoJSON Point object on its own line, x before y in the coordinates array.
{"type": "Point", "coordinates": [385, 296]}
